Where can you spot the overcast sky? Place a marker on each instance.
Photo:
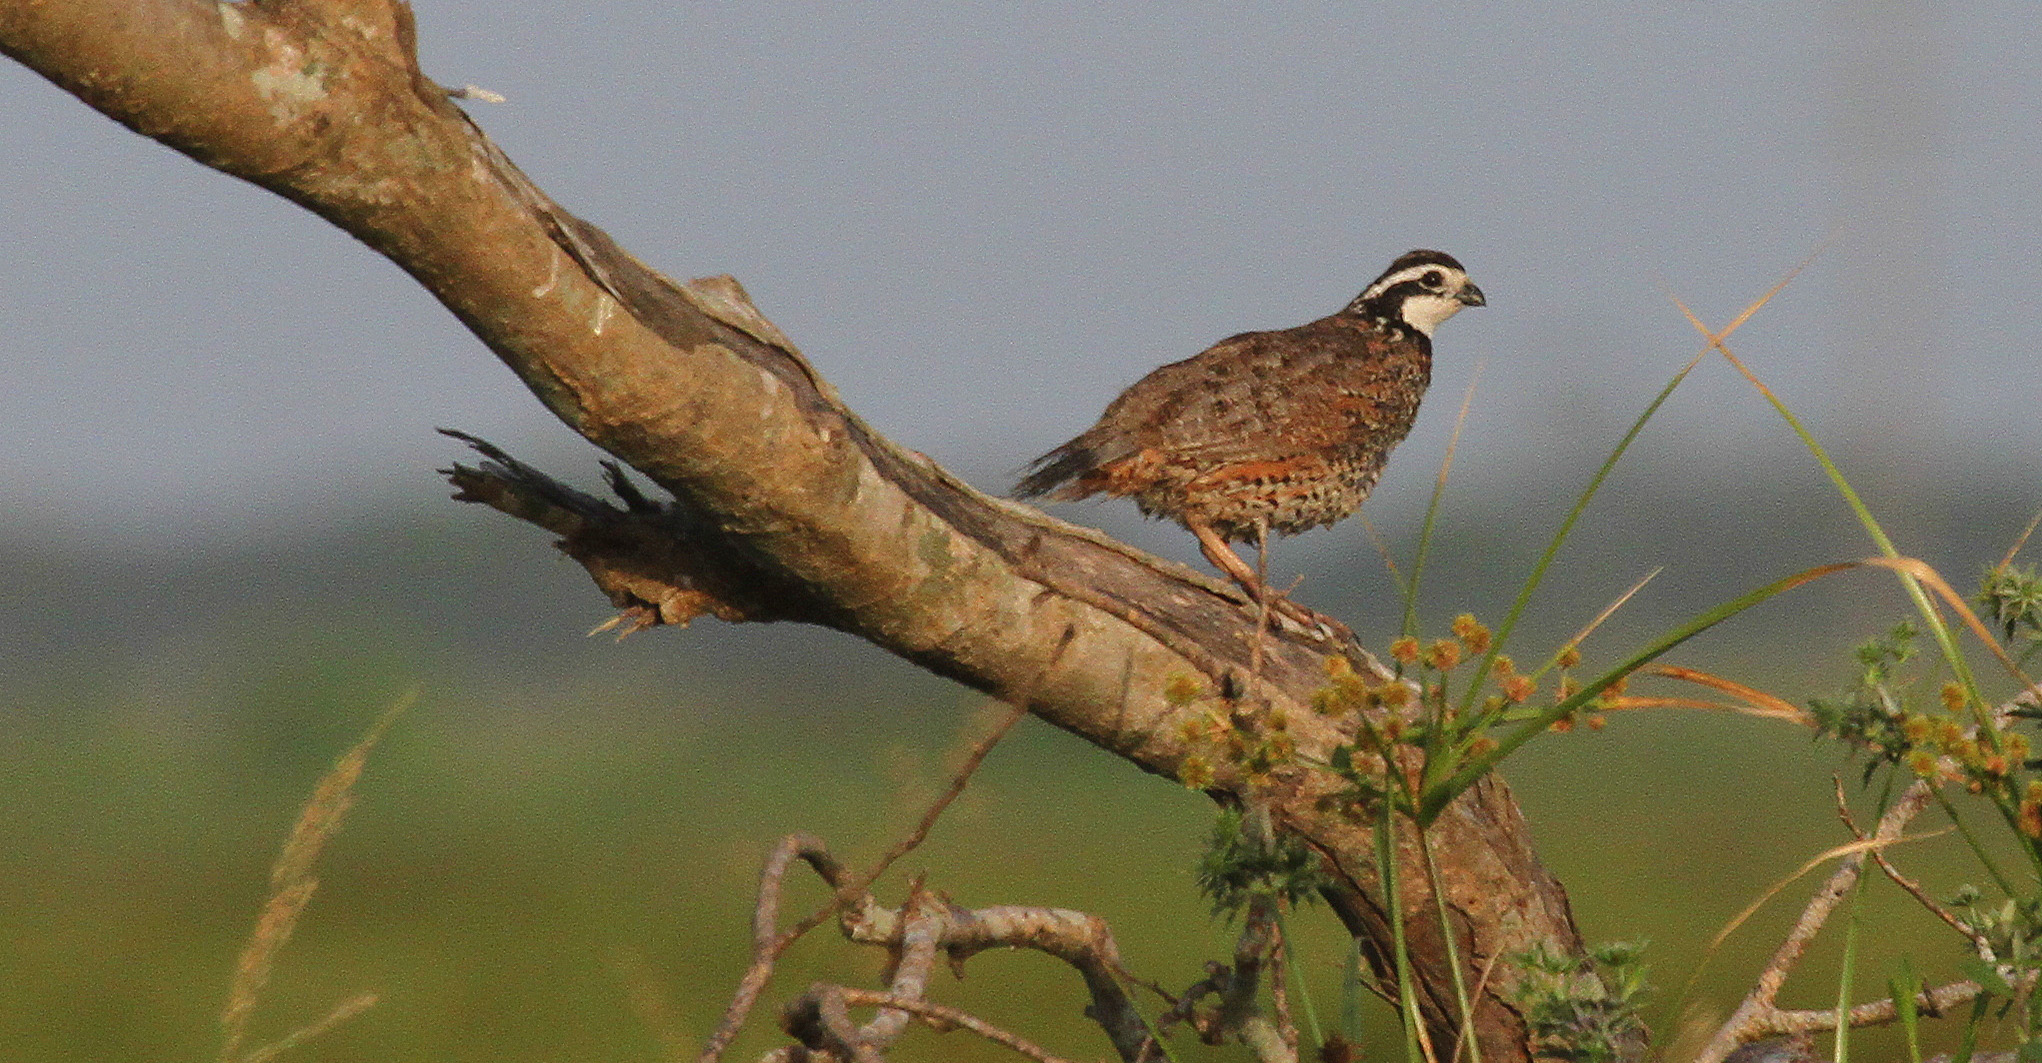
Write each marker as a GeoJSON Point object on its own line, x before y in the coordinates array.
{"type": "Point", "coordinates": [981, 221]}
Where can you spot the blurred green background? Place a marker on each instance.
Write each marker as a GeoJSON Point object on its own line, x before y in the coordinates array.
{"type": "Point", "coordinates": [223, 552]}
{"type": "Point", "coordinates": [554, 851]}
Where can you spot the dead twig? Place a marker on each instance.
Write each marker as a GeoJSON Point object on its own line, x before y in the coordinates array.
{"type": "Point", "coordinates": [1237, 1017]}
{"type": "Point", "coordinates": [927, 924]}
{"type": "Point", "coordinates": [821, 1020]}
{"type": "Point", "coordinates": [1799, 1024]}
{"type": "Point", "coordinates": [938, 1017]}
{"type": "Point", "coordinates": [1757, 1017]}
{"type": "Point", "coordinates": [936, 808]}
{"type": "Point", "coordinates": [922, 926]}
{"type": "Point", "coordinates": [1279, 992]}
{"type": "Point", "coordinates": [846, 894]}
{"type": "Point", "coordinates": [1078, 939]}
{"type": "Point", "coordinates": [1878, 1012]}
{"type": "Point", "coordinates": [768, 944]}
{"type": "Point", "coordinates": [1913, 888]}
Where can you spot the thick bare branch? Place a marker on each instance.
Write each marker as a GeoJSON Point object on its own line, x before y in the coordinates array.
{"type": "Point", "coordinates": [785, 505]}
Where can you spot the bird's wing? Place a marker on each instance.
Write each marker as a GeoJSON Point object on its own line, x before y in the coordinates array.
{"type": "Point", "coordinates": [1265, 395]}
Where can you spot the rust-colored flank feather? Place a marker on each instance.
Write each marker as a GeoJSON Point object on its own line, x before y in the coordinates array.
{"type": "Point", "coordinates": [1269, 431]}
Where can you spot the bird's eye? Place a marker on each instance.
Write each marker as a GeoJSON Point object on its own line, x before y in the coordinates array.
{"type": "Point", "coordinates": [1433, 279]}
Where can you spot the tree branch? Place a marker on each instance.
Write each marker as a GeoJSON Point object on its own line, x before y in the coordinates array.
{"type": "Point", "coordinates": [915, 933]}
{"type": "Point", "coordinates": [1758, 1017]}
{"type": "Point", "coordinates": [936, 1015]}
{"type": "Point", "coordinates": [1909, 886]}
{"type": "Point", "coordinates": [847, 893]}
{"type": "Point", "coordinates": [785, 505]}
{"type": "Point", "coordinates": [1877, 1013]}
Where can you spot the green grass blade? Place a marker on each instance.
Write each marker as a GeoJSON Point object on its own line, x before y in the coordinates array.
{"type": "Point", "coordinates": [1437, 798]}
{"type": "Point", "coordinates": [1842, 1052]}
{"type": "Point", "coordinates": [1350, 994]}
{"type": "Point", "coordinates": [1905, 986]}
{"type": "Point", "coordinates": [1407, 989]}
{"type": "Point", "coordinates": [1946, 639]}
{"type": "Point", "coordinates": [1538, 573]}
{"type": "Point", "coordinates": [1293, 966]}
{"type": "Point", "coordinates": [1467, 1037]}
{"type": "Point", "coordinates": [1446, 464]}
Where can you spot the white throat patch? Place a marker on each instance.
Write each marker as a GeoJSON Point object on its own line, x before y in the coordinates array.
{"type": "Point", "coordinates": [1425, 312]}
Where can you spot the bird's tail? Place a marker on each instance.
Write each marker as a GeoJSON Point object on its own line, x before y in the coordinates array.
{"type": "Point", "coordinates": [1052, 474]}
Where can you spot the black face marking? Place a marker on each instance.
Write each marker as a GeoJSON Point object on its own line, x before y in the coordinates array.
{"type": "Point", "coordinates": [1412, 295]}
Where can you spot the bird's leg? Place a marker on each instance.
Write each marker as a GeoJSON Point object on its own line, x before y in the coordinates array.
{"type": "Point", "coordinates": [1226, 560]}
{"type": "Point", "coordinates": [1262, 552]}
{"type": "Point", "coordinates": [1264, 603]}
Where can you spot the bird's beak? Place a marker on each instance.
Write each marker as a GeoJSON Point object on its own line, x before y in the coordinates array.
{"type": "Point", "coordinates": [1472, 296]}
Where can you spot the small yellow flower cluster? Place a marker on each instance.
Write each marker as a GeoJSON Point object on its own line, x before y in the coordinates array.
{"type": "Point", "coordinates": [1989, 760]}
{"type": "Point", "coordinates": [1256, 744]}
{"type": "Point", "coordinates": [1444, 655]}
{"type": "Point", "coordinates": [1471, 633]}
{"type": "Point", "coordinates": [1471, 640]}
{"type": "Point", "coordinates": [1348, 692]}
{"type": "Point", "coordinates": [1405, 651]}
{"type": "Point", "coordinates": [2031, 810]}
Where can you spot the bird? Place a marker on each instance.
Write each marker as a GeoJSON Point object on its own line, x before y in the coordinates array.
{"type": "Point", "coordinates": [1280, 431]}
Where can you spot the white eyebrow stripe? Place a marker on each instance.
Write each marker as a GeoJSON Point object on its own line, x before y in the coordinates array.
{"type": "Point", "coordinates": [1408, 273]}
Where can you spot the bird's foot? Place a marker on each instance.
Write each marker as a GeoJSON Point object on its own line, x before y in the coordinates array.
{"type": "Point", "coordinates": [1280, 604]}
{"type": "Point", "coordinates": [1260, 592]}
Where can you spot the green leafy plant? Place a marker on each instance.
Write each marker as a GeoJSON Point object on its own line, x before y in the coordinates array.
{"type": "Point", "coordinates": [2012, 597]}
{"type": "Point", "coordinates": [1241, 864]}
{"type": "Point", "coordinates": [1583, 1010]}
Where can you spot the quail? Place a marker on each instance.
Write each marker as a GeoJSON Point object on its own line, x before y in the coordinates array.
{"type": "Point", "coordinates": [1263, 432]}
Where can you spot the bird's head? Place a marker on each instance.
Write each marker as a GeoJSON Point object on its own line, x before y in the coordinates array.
{"type": "Point", "coordinates": [1419, 290]}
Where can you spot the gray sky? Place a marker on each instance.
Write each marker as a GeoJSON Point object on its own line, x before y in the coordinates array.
{"type": "Point", "coordinates": [981, 221]}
